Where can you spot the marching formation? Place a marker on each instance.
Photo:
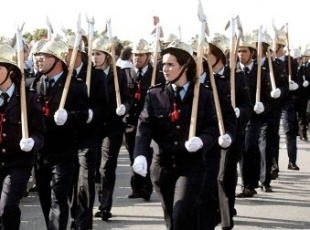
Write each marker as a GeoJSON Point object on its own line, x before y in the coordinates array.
{"type": "Point", "coordinates": [189, 113]}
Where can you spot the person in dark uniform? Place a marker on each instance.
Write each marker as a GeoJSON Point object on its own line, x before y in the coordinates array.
{"type": "Point", "coordinates": [213, 195]}
{"type": "Point", "coordinates": [139, 82]}
{"type": "Point", "coordinates": [30, 82]}
{"type": "Point", "coordinates": [289, 109]}
{"type": "Point", "coordinates": [111, 129]}
{"type": "Point", "coordinates": [243, 111]}
{"type": "Point", "coordinates": [34, 73]}
{"type": "Point", "coordinates": [278, 96]}
{"type": "Point", "coordinates": [255, 139]}
{"type": "Point", "coordinates": [83, 194]}
{"type": "Point", "coordinates": [56, 160]}
{"type": "Point", "coordinates": [304, 90]}
{"type": "Point", "coordinates": [177, 172]}
{"type": "Point", "coordinates": [17, 152]}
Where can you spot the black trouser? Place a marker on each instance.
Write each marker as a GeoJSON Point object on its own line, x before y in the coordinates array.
{"type": "Point", "coordinates": [13, 183]}
{"type": "Point", "coordinates": [250, 167]}
{"type": "Point", "coordinates": [110, 142]}
{"type": "Point", "coordinates": [137, 181]}
{"type": "Point", "coordinates": [272, 141]}
{"type": "Point", "coordinates": [54, 181]}
{"type": "Point", "coordinates": [302, 111]}
{"type": "Point", "coordinates": [178, 193]}
{"type": "Point", "coordinates": [290, 127]}
{"type": "Point", "coordinates": [208, 199]}
{"type": "Point", "coordinates": [84, 189]}
{"type": "Point", "coordinates": [230, 179]}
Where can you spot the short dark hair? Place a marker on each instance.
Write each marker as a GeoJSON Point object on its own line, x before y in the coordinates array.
{"type": "Point", "coordinates": [126, 53]}
{"type": "Point", "coordinates": [184, 58]}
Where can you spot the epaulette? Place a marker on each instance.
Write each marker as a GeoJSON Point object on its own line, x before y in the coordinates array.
{"type": "Point", "coordinates": [205, 86]}
{"type": "Point", "coordinates": [77, 79]}
{"type": "Point", "coordinates": [156, 85]}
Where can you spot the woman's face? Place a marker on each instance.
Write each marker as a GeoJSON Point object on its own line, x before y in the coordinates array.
{"type": "Point", "coordinates": [4, 81]}
{"type": "Point", "coordinates": [171, 68]}
{"type": "Point", "coordinates": [99, 58]}
{"type": "Point", "coordinates": [3, 73]}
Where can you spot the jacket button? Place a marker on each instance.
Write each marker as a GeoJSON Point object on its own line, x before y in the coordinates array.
{"type": "Point", "coordinates": [174, 165]}
{"type": "Point", "coordinates": [4, 134]}
{"type": "Point", "coordinates": [178, 127]}
{"type": "Point", "coordinates": [3, 150]}
{"type": "Point", "coordinates": [176, 143]}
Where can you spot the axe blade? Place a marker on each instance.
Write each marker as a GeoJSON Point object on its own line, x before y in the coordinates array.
{"type": "Point", "coordinates": [49, 24]}
{"type": "Point", "coordinates": [227, 25]}
{"type": "Point", "coordinates": [201, 14]}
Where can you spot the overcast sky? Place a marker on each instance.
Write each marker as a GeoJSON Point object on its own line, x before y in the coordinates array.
{"type": "Point", "coordinates": [132, 19]}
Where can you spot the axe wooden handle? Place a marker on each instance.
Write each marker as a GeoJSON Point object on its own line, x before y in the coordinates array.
{"type": "Point", "coordinates": [271, 72]}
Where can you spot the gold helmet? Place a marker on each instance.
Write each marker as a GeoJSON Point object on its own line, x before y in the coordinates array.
{"type": "Point", "coordinates": [102, 44]}
{"type": "Point", "coordinates": [57, 48]}
{"type": "Point", "coordinates": [8, 54]}
{"type": "Point", "coordinates": [247, 41]}
{"type": "Point", "coordinates": [221, 42]}
{"type": "Point", "coordinates": [71, 40]}
{"type": "Point", "coordinates": [170, 38]}
{"type": "Point", "coordinates": [296, 53]}
{"type": "Point", "coordinates": [37, 46]}
{"type": "Point", "coordinates": [281, 37]}
{"type": "Point", "coordinates": [306, 53]}
{"type": "Point", "coordinates": [194, 44]}
{"type": "Point", "coordinates": [141, 47]}
{"type": "Point", "coordinates": [266, 38]}
{"type": "Point", "coordinates": [179, 45]}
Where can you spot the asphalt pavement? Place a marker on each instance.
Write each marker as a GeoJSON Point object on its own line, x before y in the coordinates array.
{"type": "Point", "coordinates": [288, 207]}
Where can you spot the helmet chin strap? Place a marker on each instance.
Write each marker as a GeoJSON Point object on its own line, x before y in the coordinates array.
{"type": "Point", "coordinates": [50, 69]}
{"type": "Point", "coordinates": [182, 71]}
{"type": "Point", "coordinates": [217, 61]}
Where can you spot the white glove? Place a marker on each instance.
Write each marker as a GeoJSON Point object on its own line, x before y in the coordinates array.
{"type": "Point", "coordinates": [121, 110]}
{"type": "Point", "coordinates": [237, 112]}
{"type": "Point", "coordinates": [293, 86]}
{"type": "Point", "coordinates": [305, 83]}
{"type": "Point", "coordinates": [224, 141]}
{"type": "Point", "coordinates": [26, 144]}
{"type": "Point", "coordinates": [140, 165]}
{"type": "Point", "coordinates": [275, 93]}
{"type": "Point", "coordinates": [259, 107]}
{"type": "Point", "coordinates": [193, 144]}
{"type": "Point", "coordinates": [90, 116]}
{"type": "Point", "coordinates": [60, 116]}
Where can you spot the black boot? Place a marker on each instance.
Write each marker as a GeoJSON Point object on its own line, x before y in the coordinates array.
{"type": "Point", "coordinates": [303, 135]}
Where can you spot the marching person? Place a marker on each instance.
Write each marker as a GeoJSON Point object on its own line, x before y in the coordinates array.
{"type": "Point", "coordinates": [83, 195]}
{"type": "Point", "coordinates": [30, 81]}
{"type": "Point", "coordinates": [243, 111]}
{"type": "Point", "coordinates": [278, 96]}
{"type": "Point", "coordinates": [34, 73]}
{"type": "Point", "coordinates": [17, 152]}
{"type": "Point", "coordinates": [304, 79]}
{"type": "Point", "coordinates": [112, 127]}
{"type": "Point", "coordinates": [255, 135]}
{"type": "Point", "coordinates": [177, 172]}
{"type": "Point", "coordinates": [289, 109]}
{"type": "Point", "coordinates": [56, 160]}
{"type": "Point", "coordinates": [139, 82]}
{"type": "Point", "coordinates": [213, 193]}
